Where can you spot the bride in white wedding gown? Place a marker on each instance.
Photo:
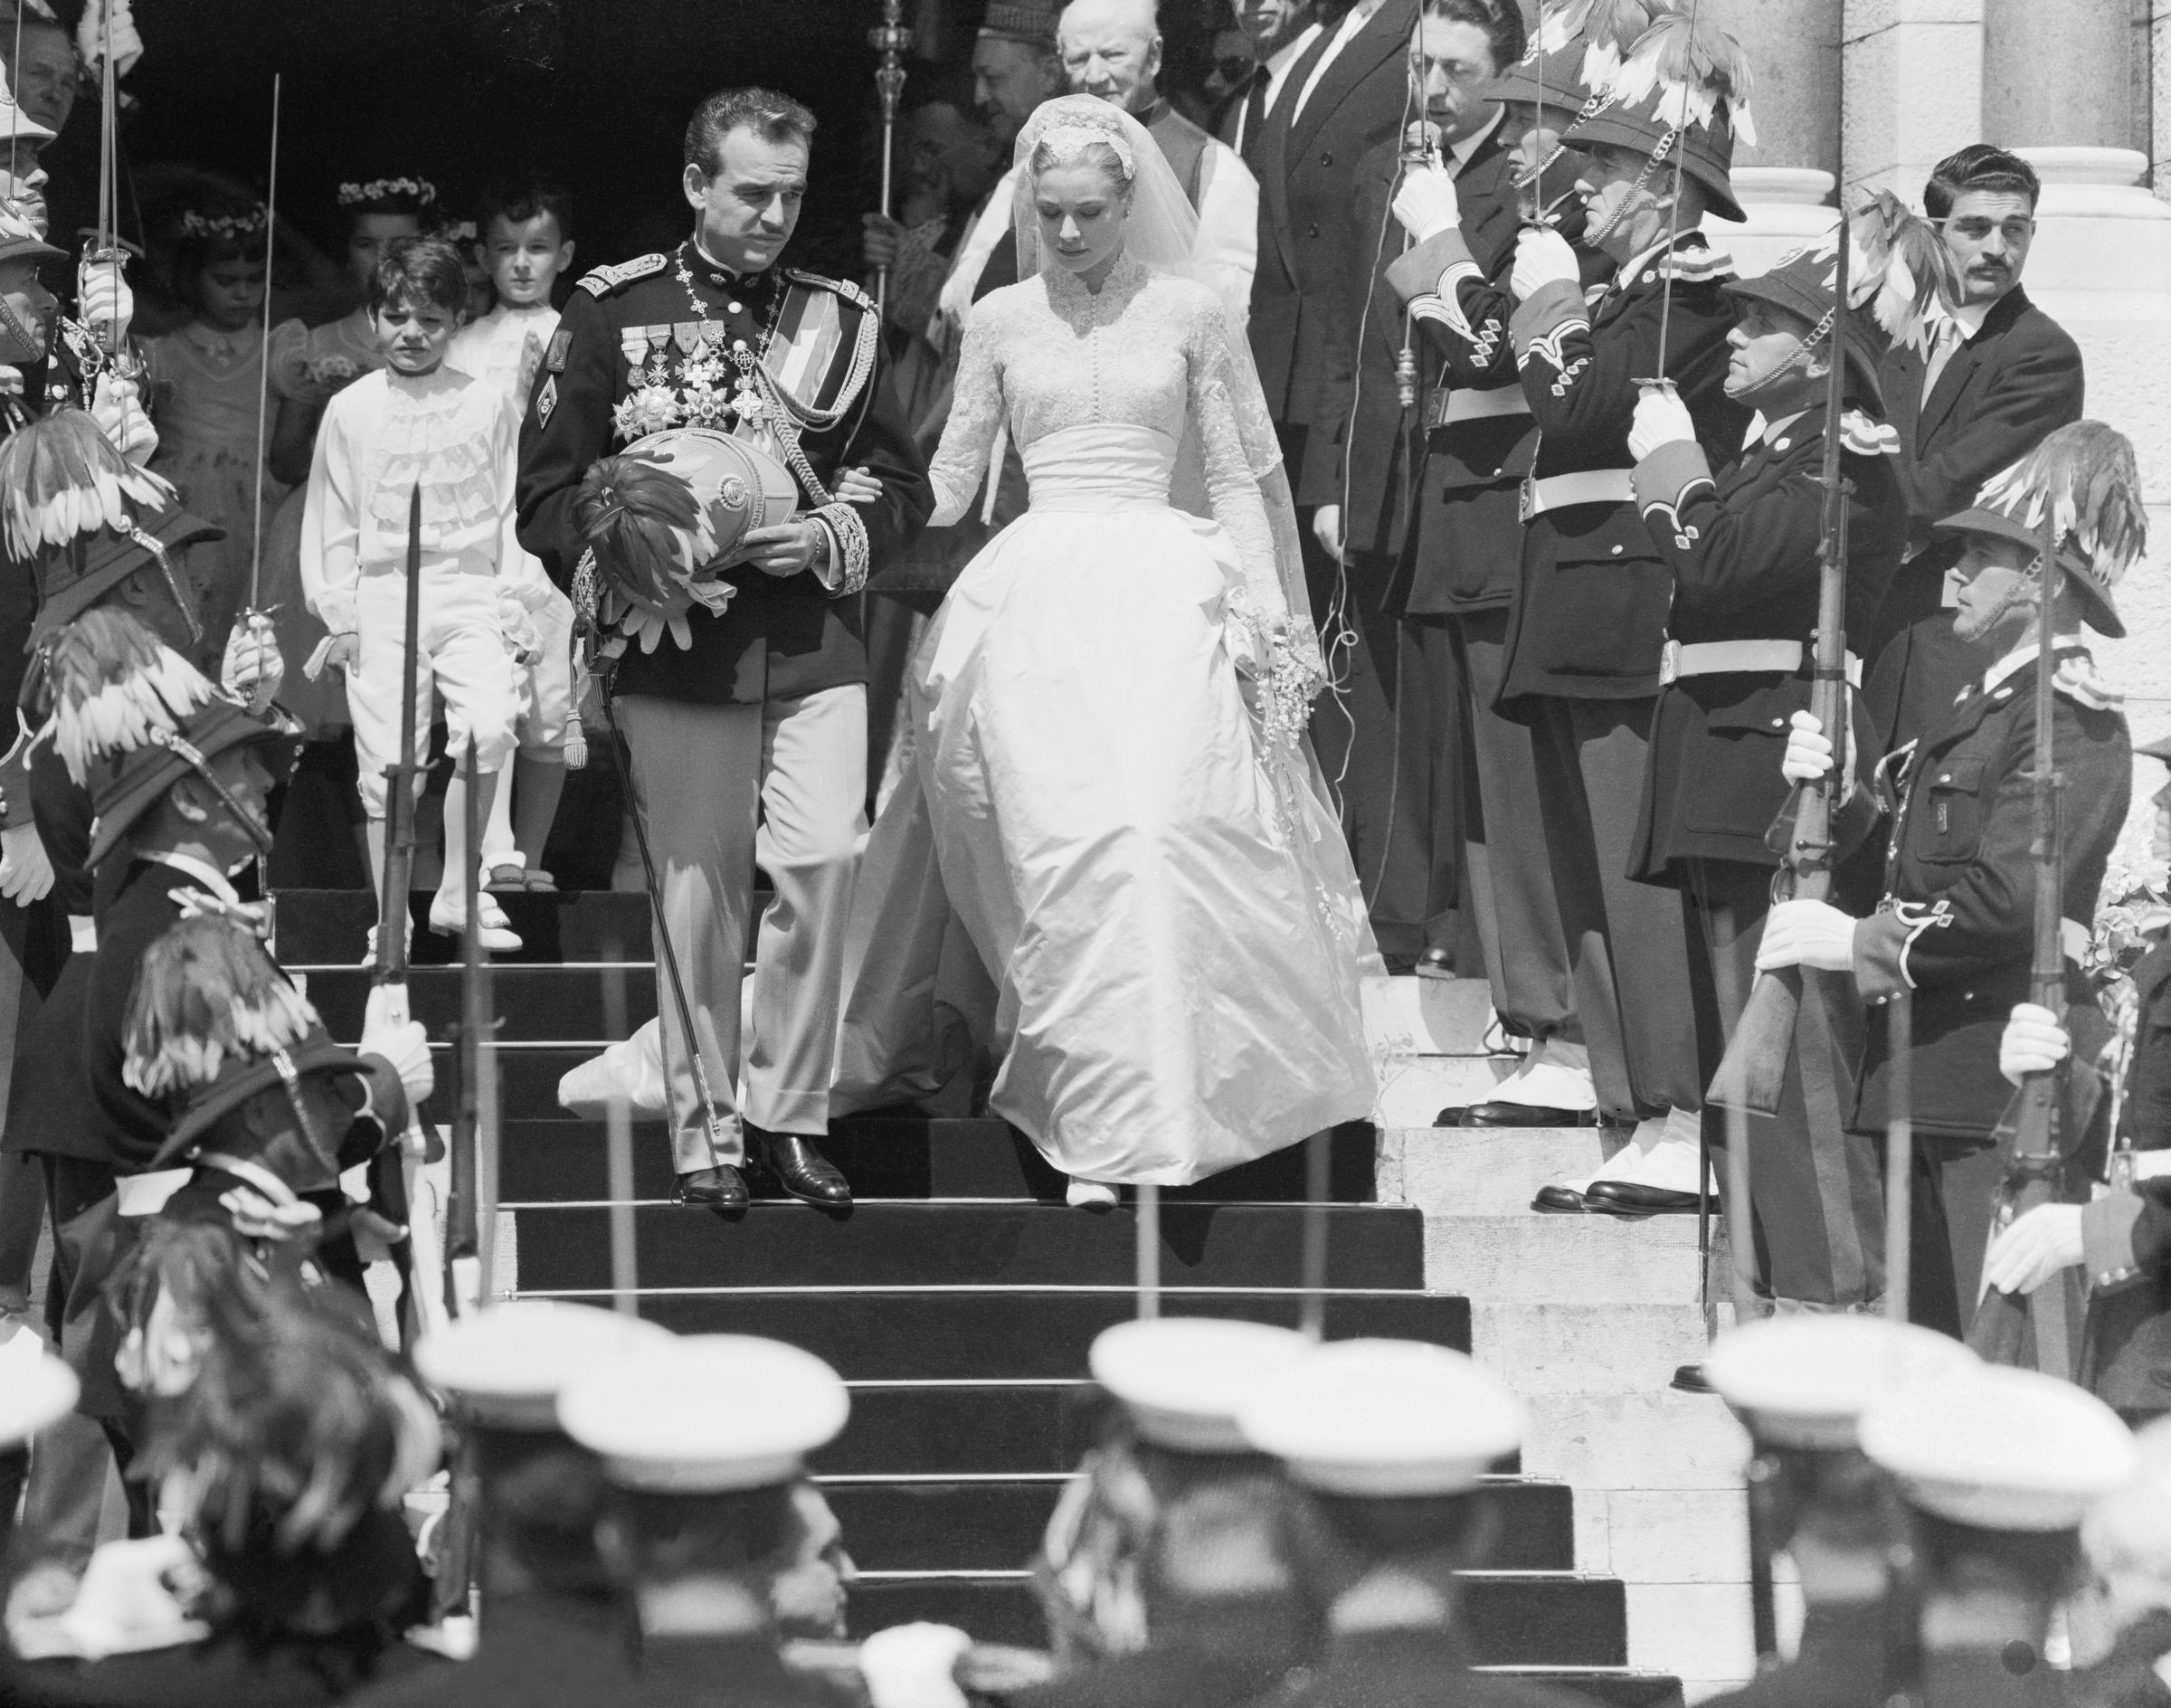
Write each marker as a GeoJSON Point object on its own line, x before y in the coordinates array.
{"type": "Point", "coordinates": [1110, 785]}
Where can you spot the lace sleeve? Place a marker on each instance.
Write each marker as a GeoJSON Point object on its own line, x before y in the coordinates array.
{"type": "Point", "coordinates": [1232, 468]}
{"type": "Point", "coordinates": [976, 405]}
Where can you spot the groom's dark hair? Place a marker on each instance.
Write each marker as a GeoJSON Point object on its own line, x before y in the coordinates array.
{"type": "Point", "coordinates": [773, 117]}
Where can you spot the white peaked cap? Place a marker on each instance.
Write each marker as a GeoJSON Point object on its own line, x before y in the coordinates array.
{"type": "Point", "coordinates": [2001, 1449]}
{"type": "Point", "coordinates": [1805, 1381]}
{"type": "Point", "coordinates": [36, 1389]}
{"type": "Point", "coordinates": [508, 1365]}
{"type": "Point", "coordinates": [1184, 1378]}
{"type": "Point", "coordinates": [1385, 1418]}
{"type": "Point", "coordinates": [707, 1413]}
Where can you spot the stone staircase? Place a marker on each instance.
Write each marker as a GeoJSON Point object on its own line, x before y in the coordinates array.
{"type": "Point", "coordinates": [1587, 1316]}
{"type": "Point", "coordinates": [960, 1295]}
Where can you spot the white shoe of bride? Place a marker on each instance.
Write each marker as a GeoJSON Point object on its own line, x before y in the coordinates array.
{"type": "Point", "coordinates": [1089, 1195]}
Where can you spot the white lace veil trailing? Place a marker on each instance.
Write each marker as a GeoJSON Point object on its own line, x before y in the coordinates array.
{"type": "Point", "coordinates": [1162, 233]}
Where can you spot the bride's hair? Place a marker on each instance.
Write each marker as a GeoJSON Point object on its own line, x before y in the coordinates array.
{"type": "Point", "coordinates": [1069, 145]}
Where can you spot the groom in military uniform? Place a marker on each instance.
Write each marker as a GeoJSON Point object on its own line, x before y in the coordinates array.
{"type": "Point", "coordinates": [761, 720]}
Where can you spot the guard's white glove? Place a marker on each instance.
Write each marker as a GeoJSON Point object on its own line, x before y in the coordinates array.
{"type": "Point", "coordinates": [105, 304]}
{"type": "Point", "coordinates": [117, 406]}
{"type": "Point", "coordinates": [1808, 757]}
{"type": "Point", "coordinates": [334, 653]}
{"type": "Point", "coordinates": [26, 872]}
{"type": "Point", "coordinates": [2033, 1042]}
{"type": "Point", "coordinates": [1542, 258]}
{"type": "Point", "coordinates": [1661, 418]}
{"type": "Point", "coordinates": [92, 33]}
{"type": "Point", "coordinates": [252, 666]}
{"type": "Point", "coordinates": [386, 1032]}
{"type": "Point", "coordinates": [1426, 205]}
{"type": "Point", "coordinates": [2038, 1244]}
{"type": "Point", "coordinates": [1326, 528]}
{"type": "Point", "coordinates": [1807, 933]}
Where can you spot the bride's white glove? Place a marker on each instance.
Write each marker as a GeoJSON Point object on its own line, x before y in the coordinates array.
{"type": "Point", "coordinates": [1426, 205]}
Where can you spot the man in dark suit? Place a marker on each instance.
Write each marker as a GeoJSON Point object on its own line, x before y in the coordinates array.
{"type": "Point", "coordinates": [1400, 787]}
{"type": "Point", "coordinates": [759, 717]}
{"type": "Point", "coordinates": [1997, 380]}
{"type": "Point", "coordinates": [1587, 632]}
{"type": "Point", "coordinates": [1459, 570]}
{"type": "Point", "coordinates": [1956, 925]}
{"type": "Point", "coordinates": [1279, 31]}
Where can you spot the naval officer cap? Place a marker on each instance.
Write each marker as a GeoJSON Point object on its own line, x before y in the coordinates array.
{"type": "Point", "coordinates": [1385, 1418]}
{"type": "Point", "coordinates": [36, 1389]}
{"type": "Point", "coordinates": [1805, 1381]}
{"type": "Point", "coordinates": [2000, 1449]}
{"type": "Point", "coordinates": [706, 1414]}
{"type": "Point", "coordinates": [507, 1366]}
{"type": "Point", "coordinates": [1185, 1379]}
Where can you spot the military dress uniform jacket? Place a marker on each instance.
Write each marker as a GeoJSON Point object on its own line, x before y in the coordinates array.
{"type": "Point", "coordinates": [1957, 921]}
{"type": "Point", "coordinates": [1464, 549]}
{"type": "Point", "coordinates": [538, 1649]}
{"type": "Point", "coordinates": [130, 1126]}
{"type": "Point", "coordinates": [1588, 620]}
{"type": "Point", "coordinates": [1744, 550]}
{"type": "Point", "coordinates": [1841, 1662]}
{"type": "Point", "coordinates": [1412, 1668]}
{"type": "Point", "coordinates": [2019, 376]}
{"type": "Point", "coordinates": [1312, 262]}
{"type": "Point", "coordinates": [779, 638]}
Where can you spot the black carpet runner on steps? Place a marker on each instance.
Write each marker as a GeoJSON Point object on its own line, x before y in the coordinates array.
{"type": "Point", "coordinates": [958, 1296]}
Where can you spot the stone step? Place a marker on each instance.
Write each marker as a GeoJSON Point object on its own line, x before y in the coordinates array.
{"type": "Point", "coordinates": [939, 1523]}
{"type": "Point", "coordinates": [1656, 1441]}
{"type": "Point", "coordinates": [940, 1333]}
{"type": "Point", "coordinates": [1490, 1172]}
{"type": "Point", "coordinates": [1414, 1089]}
{"type": "Point", "coordinates": [1550, 1620]}
{"type": "Point", "coordinates": [566, 1247]}
{"type": "Point", "coordinates": [1546, 1352]}
{"type": "Point", "coordinates": [904, 1156]}
{"type": "Point", "coordinates": [330, 928]}
{"type": "Point", "coordinates": [534, 1004]}
{"type": "Point", "coordinates": [1428, 1017]}
{"type": "Point", "coordinates": [1537, 1259]}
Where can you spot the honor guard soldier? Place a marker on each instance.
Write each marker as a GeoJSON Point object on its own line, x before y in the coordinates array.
{"type": "Point", "coordinates": [1799, 1383]}
{"type": "Point", "coordinates": [752, 706]}
{"type": "Point", "coordinates": [1957, 924]}
{"type": "Point", "coordinates": [1464, 556]}
{"type": "Point", "coordinates": [1165, 1574]}
{"type": "Point", "coordinates": [551, 1629]}
{"type": "Point", "coordinates": [2120, 1238]}
{"type": "Point", "coordinates": [1997, 1468]}
{"type": "Point", "coordinates": [1747, 550]}
{"type": "Point", "coordinates": [1388, 1443]}
{"type": "Point", "coordinates": [702, 1441]}
{"type": "Point", "coordinates": [1588, 625]}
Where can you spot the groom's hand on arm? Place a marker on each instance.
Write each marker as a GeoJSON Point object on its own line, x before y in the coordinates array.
{"type": "Point", "coordinates": [799, 543]}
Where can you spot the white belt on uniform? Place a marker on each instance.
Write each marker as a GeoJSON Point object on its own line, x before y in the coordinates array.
{"type": "Point", "coordinates": [1729, 658]}
{"type": "Point", "coordinates": [1449, 404]}
{"type": "Point", "coordinates": [145, 1194]}
{"type": "Point", "coordinates": [1591, 485]}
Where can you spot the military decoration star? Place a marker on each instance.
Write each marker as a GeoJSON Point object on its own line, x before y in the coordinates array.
{"type": "Point", "coordinates": [649, 410]}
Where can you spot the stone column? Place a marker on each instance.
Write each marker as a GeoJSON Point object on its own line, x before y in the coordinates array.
{"type": "Point", "coordinates": [1785, 182]}
{"type": "Point", "coordinates": [2059, 76]}
{"type": "Point", "coordinates": [1913, 87]}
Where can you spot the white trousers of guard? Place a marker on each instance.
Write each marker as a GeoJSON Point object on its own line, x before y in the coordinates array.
{"type": "Point", "coordinates": [723, 789]}
{"type": "Point", "coordinates": [459, 656]}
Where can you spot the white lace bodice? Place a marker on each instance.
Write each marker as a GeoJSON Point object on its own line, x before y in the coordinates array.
{"type": "Point", "coordinates": [1150, 350]}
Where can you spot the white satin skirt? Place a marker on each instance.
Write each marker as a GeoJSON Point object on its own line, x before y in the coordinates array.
{"type": "Point", "coordinates": [1167, 910]}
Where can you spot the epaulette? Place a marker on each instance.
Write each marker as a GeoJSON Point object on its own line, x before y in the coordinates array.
{"type": "Point", "coordinates": [2076, 679]}
{"type": "Point", "coordinates": [1866, 437]}
{"type": "Point", "coordinates": [601, 281]}
{"type": "Point", "coordinates": [1698, 266]}
{"type": "Point", "coordinates": [844, 288]}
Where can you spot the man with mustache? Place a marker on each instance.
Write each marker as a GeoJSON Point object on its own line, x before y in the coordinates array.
{"type": "Point", "coordinates": [1990, 389]}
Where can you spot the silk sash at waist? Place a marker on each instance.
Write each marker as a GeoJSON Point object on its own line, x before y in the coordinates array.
{"type": "Point", "coordinates": [1106, 467]}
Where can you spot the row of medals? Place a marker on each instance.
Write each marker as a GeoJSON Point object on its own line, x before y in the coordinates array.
{"type": "Point", "coordinates": [699, 394]}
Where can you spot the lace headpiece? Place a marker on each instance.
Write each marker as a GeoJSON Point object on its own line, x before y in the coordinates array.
{"type": "Point", "coordinates": [1068, 141]}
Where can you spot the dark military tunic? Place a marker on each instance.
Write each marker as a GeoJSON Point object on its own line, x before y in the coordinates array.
{"type": "Point", "coordinates": [638, 349]}
{"type": "Point", "coordinates": [538, 1649]}
{"type": "Point", "coordinates": [1413, 1668]}
{"type": "Point", "coordinates": [1840, 1663]}
{"type": "Point", "coordinates": [1959, 918]}
{"type": "Point", "coordinates": [1590, 615]}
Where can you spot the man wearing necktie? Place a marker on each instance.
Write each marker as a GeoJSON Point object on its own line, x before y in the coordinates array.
{"type": "Point", "coordinates": [1993, 385]}
{"type": "Point", "coordinates": [1280, 31]}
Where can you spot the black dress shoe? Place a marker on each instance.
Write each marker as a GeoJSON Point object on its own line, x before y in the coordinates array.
{"type": "Point", "coordinates": [1690, 1379]}
{"type": "Point", "coordinates": [1434, 964]}
{"type": "Point", "coordinates": [1451, 1116]}
{"type": "Point", "coordinates": [1625, 1198]}
{"type": "Point", "coordinates": [720, 1189]}
{"type": "Point", "coordinates": [1526, 1114]}
{"type": "Point", "coordinates": [1560, 1201]}
{"type": "Point", "coordinates": [800, 1169]}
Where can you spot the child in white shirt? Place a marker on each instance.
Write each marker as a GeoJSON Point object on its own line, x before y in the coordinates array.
{"type": "Point", "coordinates": [416, 423]}
{"type": "Point", "coordinates": [527, 243]}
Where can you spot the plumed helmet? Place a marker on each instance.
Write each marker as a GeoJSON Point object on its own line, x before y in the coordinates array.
{"type": "Point", "coordinates": [666, 516]}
